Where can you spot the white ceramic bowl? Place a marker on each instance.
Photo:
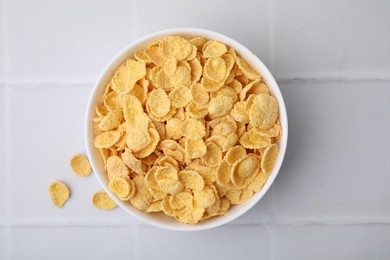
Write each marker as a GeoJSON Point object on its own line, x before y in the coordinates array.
{"type": "Point", "coordinates": [160, 220]}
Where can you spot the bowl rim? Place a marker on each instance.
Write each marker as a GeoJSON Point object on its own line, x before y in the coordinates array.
{"type": "Point", "coordinates": [253, 60]}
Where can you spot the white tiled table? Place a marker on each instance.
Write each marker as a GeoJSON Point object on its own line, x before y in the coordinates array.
{"type": "Point", "coordinates": [331, 199]}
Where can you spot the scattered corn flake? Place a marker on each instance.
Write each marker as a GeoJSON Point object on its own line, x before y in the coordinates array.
{"type": "Point", "coordinates": [59, 193]}
{"type": "Point", "coordinates": [80, 165]}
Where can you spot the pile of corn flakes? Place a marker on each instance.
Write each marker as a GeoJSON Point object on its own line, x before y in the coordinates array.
{"type": "Point", "coordinates": [186, 128]}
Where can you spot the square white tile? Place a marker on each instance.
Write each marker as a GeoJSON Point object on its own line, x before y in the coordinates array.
{"type": "Point", "coordinates": [336, 166]}
{"type": "Point", "coordinates": [245, 21]}
{"type": "Point", "coordinates": [66, 40]}
{"type": "Point", "coordinates": [331, 38]}
{"type": "Point", "coordinates": [46, 129]}
{"type": "Point", "coordinates": [332, 242]}
{"type": "Point", "coordinates": [227, 242]}
{"type": "Point", "coordinates": [72, 243]}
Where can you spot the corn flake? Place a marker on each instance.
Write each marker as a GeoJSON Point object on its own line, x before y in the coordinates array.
{"type": "Point", "coordinates": [269, 158]}
{"type": "Point", "coordinates": [80, 165]}
{"type": "Point", "coordinates": [59, 193]}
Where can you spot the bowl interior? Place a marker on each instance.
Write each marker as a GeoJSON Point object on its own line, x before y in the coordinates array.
{"type": "Point", "coordinates": [159, 219]}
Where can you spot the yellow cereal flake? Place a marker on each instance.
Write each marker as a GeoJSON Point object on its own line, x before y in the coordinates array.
{"type": "Point", "coordinates": [182, 75]}
{"type": "Point", "coordinates": [106, 139]}
{"type": "Point", "coordinates": [224, 175]}
{"type": "Point", "coordinates": [152, 185]}
{"type": "Point", "coordinates": [196, 111]}
{"type": "Point", "coordinates": [158, 103]}
{"type": "Point", "coordinates": [191, 180]}
{"type": "Point", "coordinates": [59, 193]}
{"type": "Point", "coordinates": [111, 120]}
{"type": "Point", "coordinates": [253, 140]}
{"type": "Point", "coordinates": [175, 47]}
{"type": "Point", "coordinates": [151, 146]}
{"type": "Point", "coordinates": [180, 96]}
{"type": "Point", "coordinates": [239, 112]}
{"type": "Point", "coordinates": [206, 197]}
{"type": "Point", "coordinates": [196, 70]}
{"type": "Point", "coordinates": [170, 67]}
{"type": "Point", "coordinates": [173, 128]}
{"type": "Point", "coordinates": [213, 49]}
{"type": "Point", "coordinates": [215, 69]}
{"type": "Point", "coordinates": [246, 69]}
{"type": "Point", "coordinates": [127, 75]}
{"type": "Point", "coordinates": [154, 207]}
{"type": "Point", "coordinates": [192, 128]}
{"type": "Point", "coordinates": [195, 148]}
{"type": "Point", "coordinates": [269, 158]}
{"type": "Point", "coordinates": [132, 162]}
{"type": "Point", "coordinates": [110, 101]}
{"type": "Point", "coordinates": [116, 167]}
{"type": "Point", "coordinates": [213, 156]}
{"type": "Point", "coordinates": [138, 139]}
{"type": "Point", "coordinates": [153, 53]}
{"type": "Point", "coordinates": [234, 154]}
{"type": "Point", "coordinates": [264, 111]}
{"type": "Point", "coordinates": [220, 106]}
{"type": "Point", "coordinates": [101, 200]}
{"type": "Point", "coordinates": [167, 179]}
{"type": "Point", "coordinates": [258, 182]}
{"type": "Point", "coordinates": [80, 165]}
{"type": "Point", "coordinates": [199, 95]}
{"type": "Point", "coordinates": [244, 170]}
{"type": "Point", "coordinates": [198, 42]}
{"type": "Point", "coordinates": [142, 198]}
